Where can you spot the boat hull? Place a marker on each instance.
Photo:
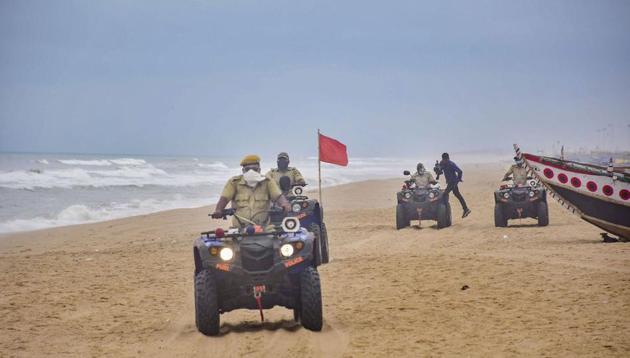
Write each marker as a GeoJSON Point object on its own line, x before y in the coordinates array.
{"type": "Point", "coordinates": [600, 198]}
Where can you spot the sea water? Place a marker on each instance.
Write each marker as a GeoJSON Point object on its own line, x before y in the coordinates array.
{"type": "Point", "coordinates": [46, 190]}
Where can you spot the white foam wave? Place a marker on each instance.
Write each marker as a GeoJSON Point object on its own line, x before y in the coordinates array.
{"type": "Point", "coordinates": [103, 162]}
{"type": "Point", "coordinates": [43, 161]}
{"type": "Point", "coordinates": [122, 176]}
{"type": "Point", "coordinates": [214, 165]}
{"type": "Point", "coordinates": [81, 214]}
{"type": "Point", "coordinates": [128, 161]}
{"type": "Point", "coordinates": [96, 162]}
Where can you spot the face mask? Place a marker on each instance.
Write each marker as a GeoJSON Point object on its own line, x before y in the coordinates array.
{"type": "Point", "coordinates": [283, 164]}
{"type": "Point", "coordinates": [253, 177]}
{"type": "Point", "coordinates": [420, 169]}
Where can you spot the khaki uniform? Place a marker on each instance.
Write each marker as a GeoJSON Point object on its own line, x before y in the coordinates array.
{"type": "Point", "coordinates": [291, 172]}
{"type": "Point", "coordinates": [422, 180]}
{"type": "Point", "coordinates": [251, 203]}
{"type": "Point", "coordinates": [519, 174]}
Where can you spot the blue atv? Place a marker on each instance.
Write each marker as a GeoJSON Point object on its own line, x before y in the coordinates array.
{"type": "Point", "coordinates": [310, 214]}
{"type": "Point", "coordinates": [253, 269]}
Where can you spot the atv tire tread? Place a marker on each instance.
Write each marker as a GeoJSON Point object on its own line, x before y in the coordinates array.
{"type": "Point", "coordinates": [317, 255]}
{"type": "Point", "coordinates": [325, 254]}
{"type": "Point", "coordinates": [310, 300]}
{"type": "Point", "coordinates": [442, 216]}
{"type": "Point", "coordinates": [401, 217]}
{"type": "Point", "coordinates": [543, 214]}
{"type": "Point", "coordinates": [206, 303]}
{"type": "Point", "coordinates": [499, 217]}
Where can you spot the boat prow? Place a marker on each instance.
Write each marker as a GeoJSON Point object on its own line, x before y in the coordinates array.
{"type": "Point", "coordinates": [599, 195]}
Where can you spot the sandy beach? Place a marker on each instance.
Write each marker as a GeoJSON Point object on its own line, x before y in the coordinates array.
{"type": "Point", "coordinates": [124, 287]}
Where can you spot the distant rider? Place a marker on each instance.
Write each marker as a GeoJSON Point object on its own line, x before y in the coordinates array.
{"type": "Point", "coordinates": [422, 178]}
{"type": "Point", "coordinates": [283, 169]}
{"type": "Point", "coordinates": [518, 172]}
{"type": "Point", "coordinates": [453, 176]}
{"type": "Point", "coordinates": [251, 193]}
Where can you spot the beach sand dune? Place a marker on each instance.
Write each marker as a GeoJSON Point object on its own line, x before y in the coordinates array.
{"type": "Point", "coordinates": [124, 287]}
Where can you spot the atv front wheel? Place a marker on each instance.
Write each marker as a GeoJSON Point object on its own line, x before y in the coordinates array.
{"type": "Point", "coordinates": [325, 256]}
{"type": "Point", "coordinates": [317, 247]}
{"type": "Point", "coordinates": [450, 214]}
{"type": "Point", "coordinates": [401, 217]}
{"type": "Point", "coordinates": [296, 314]}
{"type": "Point", "coordinates": [442, 216]}
{"type": "Point", "coordinates": [543, 214]}
{"type": "Point", "coordinates": [310, 300]}
{"type": "Point", "coordinates": [206, 303]}
{"type": "Point", "coordinates": [499, 217]}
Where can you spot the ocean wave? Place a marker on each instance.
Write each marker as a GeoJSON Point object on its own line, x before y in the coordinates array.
{"type": "Point", "coordinates": [214, 165]}
{"type": "Point", "coordinates": [128, 161]}
{"type": "Point", "coordinates": [103, 162]}
{"type": "Point", "coordinates": [122, 176]}
{"type": "Point", "coordinates": [42, 161]}
{"type": "Point", "coordinates": [81, 214]}
{"type": "Point", "coordinates": [96, 162]}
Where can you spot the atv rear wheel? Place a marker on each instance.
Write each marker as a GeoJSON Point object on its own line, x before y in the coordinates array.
{"type": "Point", "coordinates": [442, 216]}
{"type": "Point", "coordinates": [317, 244]}
{"type": "Point", "coordinates": [325, 256]}
{"type": "Point", "coordinates": [543, 214]}
{"type": "Point", "coordinates": [499, 217]}
{"type": "Point", "coordinates": [310, 300]}
{"type": "Point", "coordinates": [206, 303]}
{"type": "Point", "coordinates": [401, 217]}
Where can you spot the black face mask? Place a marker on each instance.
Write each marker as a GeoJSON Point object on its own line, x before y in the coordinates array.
{"type": "Point", "coordinates": [283, 164]}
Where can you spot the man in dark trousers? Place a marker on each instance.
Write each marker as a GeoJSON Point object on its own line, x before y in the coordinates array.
{"type": "Point", "coordinates": [453, 176]}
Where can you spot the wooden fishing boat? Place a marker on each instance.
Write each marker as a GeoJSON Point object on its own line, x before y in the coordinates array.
{"type": "Point", "coordinates": [598, 194]}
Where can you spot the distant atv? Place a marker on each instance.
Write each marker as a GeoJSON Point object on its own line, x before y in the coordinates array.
{"type": "Point", "coordinates": [256, 270]}
{"type": "Point", "coordinates": [310, 214]}
{"type": "Point", "coordinates": [421, 204]}
{"type": "Point", "coordinates": [517, 202]}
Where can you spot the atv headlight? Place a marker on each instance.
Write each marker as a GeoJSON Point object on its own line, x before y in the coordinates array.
{"type": "Point", "coordinates": [431, 195]}
{"type": "Point", "coordinates": [286, 250]}
{"type": "Point", "coordinates": [296, 207]}
{"type": "Point", "coordinates": [226, 254]}
{"type": "Point", "coordinates": [407, 195]}
{"type": "Point", "coordinates": [532, 194]}
{"type": "Point", "coordinates": [506, 195]}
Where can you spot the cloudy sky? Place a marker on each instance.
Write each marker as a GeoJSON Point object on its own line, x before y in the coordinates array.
{"type": "Point", "coordinates": [388, 78]}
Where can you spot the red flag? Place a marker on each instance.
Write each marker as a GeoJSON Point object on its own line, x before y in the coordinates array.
{"type": "Point", "coordinates": [332, 151]}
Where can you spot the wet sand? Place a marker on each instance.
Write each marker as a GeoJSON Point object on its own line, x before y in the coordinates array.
{"type": "Point", "coordinates": [124, 287]}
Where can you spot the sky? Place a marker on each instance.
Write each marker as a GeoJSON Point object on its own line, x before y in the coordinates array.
{"type": "Point", "coordinates": [390, 78]}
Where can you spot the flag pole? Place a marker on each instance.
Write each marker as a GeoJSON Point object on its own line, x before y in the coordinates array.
{"type": "Point", "coordinates": [319, 170]}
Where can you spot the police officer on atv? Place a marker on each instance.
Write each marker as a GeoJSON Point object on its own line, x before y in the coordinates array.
{"type": "Point", "coordinates": [283, 169]}
{"type": "Point", "coordinates": [422, 178]}
{"type": "Point", "coordinates": [251, 194]}
{"type": "Point", "coordinates": [518, 173]}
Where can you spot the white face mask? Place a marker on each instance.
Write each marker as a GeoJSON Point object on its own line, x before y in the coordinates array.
{"type": "Point", "coordinates": [253, 177]}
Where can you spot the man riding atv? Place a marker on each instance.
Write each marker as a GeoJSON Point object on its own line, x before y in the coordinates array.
{"type": "Point", "coordinates": [518, 173]}
{"type": "Point", "coordinates": [283, 170]}
{"type": "Point", "coordinates": [419, 200]}
{"type": "Point", "coordinates": [251, 195]}
{"type": "Point", "coordinates": [236, 269]}
{"type": "Point", "coordinates": [521, 200]}
{"type": "Point", "coordinates": [422, 177]}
